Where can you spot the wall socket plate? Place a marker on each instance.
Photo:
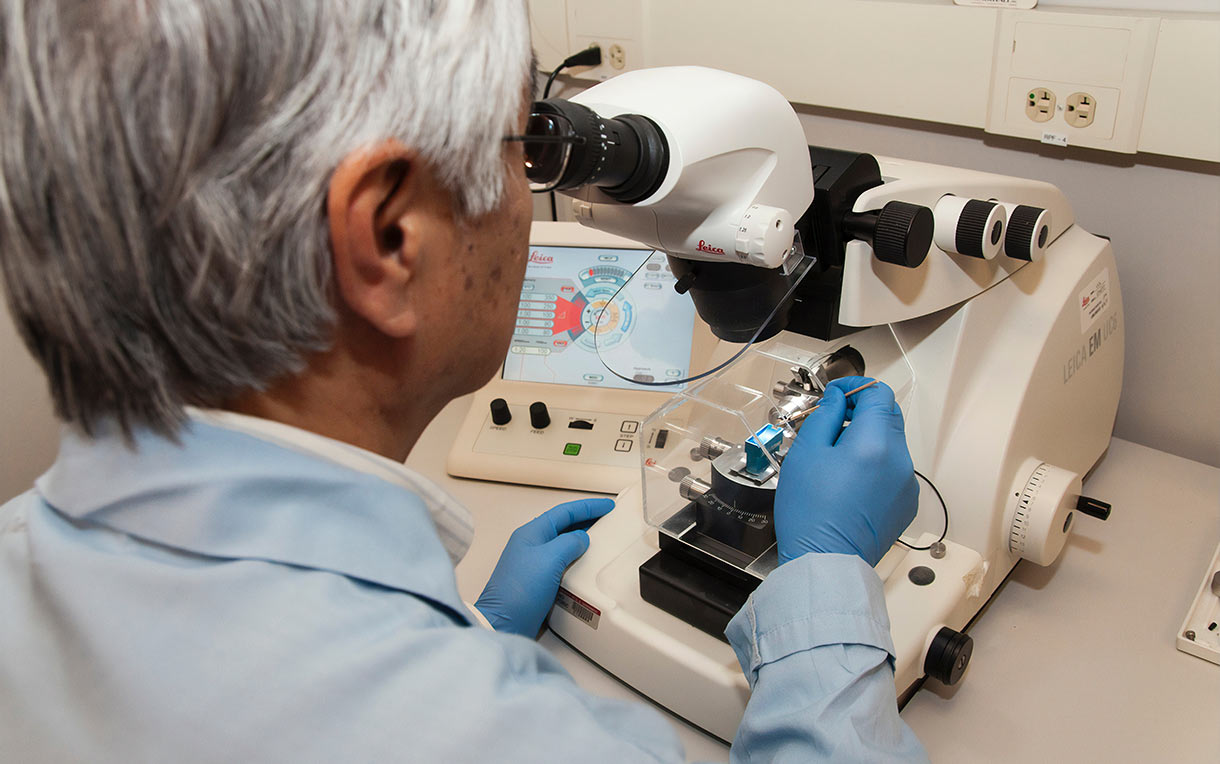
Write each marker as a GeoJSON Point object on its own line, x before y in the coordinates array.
{"type": "Point", "coordinates": [1105, 60]}
{"type": "Point", "coordinates": [1102, 110]}
{"type": "Point", "coordinates": [617, 28]}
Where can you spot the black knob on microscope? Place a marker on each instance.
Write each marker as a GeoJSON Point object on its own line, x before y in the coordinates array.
{"type": "Point", "coordinates": [948, 655]}
{"type": "Point", "coordinates": [1028, 232]}
{"type": "Point", "coordinates": [1094, 507]}
{"type": "Point", "coordinates": [899, 233]}
{"type": "Point", "coordinates": [540, 418]}
{"type": "Point", "coordinates": [500, 414]}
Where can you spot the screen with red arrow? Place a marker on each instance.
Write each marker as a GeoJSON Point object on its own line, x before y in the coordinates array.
{"type": "Point", "coordinates": [584, 309]}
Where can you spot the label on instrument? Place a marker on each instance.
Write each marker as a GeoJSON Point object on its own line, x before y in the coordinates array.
{"type": "Point", "coordinates": [1094, 302]}
{"type": "Point", "coordinates": [1054, 139]}
{"type": "Point", "coordinates": [1094, 299]}
{"type": "Point", "coordinates": [574, 605]}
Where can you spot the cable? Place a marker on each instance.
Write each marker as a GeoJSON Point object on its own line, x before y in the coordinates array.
{"type": "Point", "coordinates": [686, 380]}
{"type": "Point", "coordinates": [944, 508]}
{"type": "Point", "coordinates": [590, 56]}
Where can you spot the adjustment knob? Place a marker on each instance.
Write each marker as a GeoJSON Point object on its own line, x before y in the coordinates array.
{"type": "Point", "coordinates": [499, 412]}
{"type": "Point", "coordinates": [948, 655]}
{"type": "Point", "coordinates": [764, 236]}
{"type": "Point", "coordinates": [1094, 507]}
{"type": "Point", "coordinates": [1041, 511]}
{"type": "Point", "coordinates": [899, 233]}
{"type": "Point", "coordinates": [970, 227]}
{"type": "Point", "coordinates": [539, 417]}
{"type": "Point", "coordinates": [1029, 232]}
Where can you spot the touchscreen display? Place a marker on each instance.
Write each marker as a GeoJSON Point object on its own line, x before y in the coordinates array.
{"type": "Point", "coordinates": [644, 334]}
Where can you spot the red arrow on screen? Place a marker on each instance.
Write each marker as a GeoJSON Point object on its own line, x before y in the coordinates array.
{"type": "Point", "coordinates": [567, 316]}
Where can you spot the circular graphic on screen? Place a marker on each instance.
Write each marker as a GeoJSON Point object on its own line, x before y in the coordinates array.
{"type": "Point", "coordinates": [599, 285]}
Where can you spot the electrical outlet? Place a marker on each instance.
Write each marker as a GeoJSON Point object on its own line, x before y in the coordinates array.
{"type": "Point", "coordinates": [1103, 60]}
{"type": "Point", "coordinates": [616, 56]}
{"type": "Point", "coordinates": [1040, 105]}
{"type": "Point", "coordinates": [1080, 110]}
{"type": "Point", "coordinates": [617, 28]}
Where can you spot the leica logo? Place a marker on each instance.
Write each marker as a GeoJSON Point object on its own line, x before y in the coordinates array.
{"type": "Point", "coordinates": [538, 257]}
{"type": "Point", "coordinates": [705, 247]}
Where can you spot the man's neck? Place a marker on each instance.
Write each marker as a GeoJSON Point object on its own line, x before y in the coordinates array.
{"type": "Point", "coordinates": [356, 403]}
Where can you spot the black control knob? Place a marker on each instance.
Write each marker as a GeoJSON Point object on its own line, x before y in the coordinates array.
{"type": "Point", "coordinates": [948, 655]}
{"type": "Point", "coordinates": [499, 412]}
{"type": "Point", "coordinates": [540, 418]}
{"type": "Point", "coordinates": [1093, 507]}
{"type": "Point", "coordinates": [899, 233]}
{"type": "Point", "coordinates": [1029, 232]}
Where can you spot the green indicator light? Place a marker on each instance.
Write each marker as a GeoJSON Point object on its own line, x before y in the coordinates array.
{"type": "Point", "coordinates": [571, 449]}
{"type": "Point", "coordinates": [1031, 96]}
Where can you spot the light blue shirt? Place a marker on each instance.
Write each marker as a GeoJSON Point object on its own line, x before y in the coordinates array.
{"type": "Point", "coordinates": [225, 598]}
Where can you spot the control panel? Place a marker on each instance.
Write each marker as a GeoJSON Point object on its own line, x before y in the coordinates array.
{"type": "Point", "coordinates": [578, 435]}
{"type": "Point", "coordinates": [599, 331]}
{"type": "Point", "coordinates": [556, 441]}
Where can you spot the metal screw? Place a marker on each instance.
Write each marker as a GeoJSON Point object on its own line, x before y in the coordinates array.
{"type": "Point", "coordinates": [937, 551]}
{"type": "Point", "coordinates": [1189, 634]}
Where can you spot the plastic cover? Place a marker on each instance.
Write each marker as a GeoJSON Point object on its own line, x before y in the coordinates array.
{"type": "Point", "coordinates": [713, 421]}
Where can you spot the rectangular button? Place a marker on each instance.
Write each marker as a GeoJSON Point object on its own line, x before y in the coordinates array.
{"type": "Point", "coordinates": [623, 444]}
{"type": "Point", "coordinates": [629, 425]}
{"type": "Point", "coordinates": [661, 439]}
{"type": "Point", "coordinates": [571, 449]}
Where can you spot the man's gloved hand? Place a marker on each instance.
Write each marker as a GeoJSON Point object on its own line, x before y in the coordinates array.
{"type": "Point", "coordinates": [523, 586]}
{"type": "Point", "coordinates": [847, 491]}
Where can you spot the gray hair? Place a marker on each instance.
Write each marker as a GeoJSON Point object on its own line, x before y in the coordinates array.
{"type": "Point", "coordinates": [164, 166]}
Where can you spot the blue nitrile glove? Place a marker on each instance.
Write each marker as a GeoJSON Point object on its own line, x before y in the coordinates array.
{"type": "Point", "coordinates": [847, 491]}
{"type": "Point", "coordinates": [523, 586]}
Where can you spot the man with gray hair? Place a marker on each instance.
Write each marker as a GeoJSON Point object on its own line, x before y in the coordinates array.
{"type": "Point", "coordinates": [230, 233]}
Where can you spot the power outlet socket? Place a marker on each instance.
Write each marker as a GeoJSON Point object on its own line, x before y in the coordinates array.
{"type": "Point", "coordinates": [616, 56]}
{"type": "Point", "coordinates": [1101, 61]}
{"type": "Point", "coordinates": [1095, 125]}
{"type": "Point", "coordinates": [1040, 105]}
{"type": "Point", "coordinates": [1080, 110]}
{"type": "Point", "coordinates": [617, 28]}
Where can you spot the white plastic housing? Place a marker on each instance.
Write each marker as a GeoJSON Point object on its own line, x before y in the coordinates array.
{"type": "Point", "coordinates": [1018, 375]}
{"type": "Point", "coordinates": [1198, 635]}
{"type": "Point", "coordinates": [876, 293]}
{"type": "Point", "coordinates": [738, 175]}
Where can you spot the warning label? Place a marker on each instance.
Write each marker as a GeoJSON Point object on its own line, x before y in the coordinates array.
{"type": "Point", "coordinates": [574, 605]}
{"type": "Point", "coordinates": [1094, 299]}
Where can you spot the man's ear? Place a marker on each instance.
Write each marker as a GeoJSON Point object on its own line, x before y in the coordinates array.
{"type": "Point", "coordinates": [377, 212]}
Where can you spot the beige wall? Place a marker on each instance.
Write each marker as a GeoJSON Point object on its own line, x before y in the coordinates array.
{"type": "Point", "coordinates": [29, 433]}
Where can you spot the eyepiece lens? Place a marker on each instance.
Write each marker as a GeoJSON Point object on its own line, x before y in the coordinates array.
{"type": "Point", "coordinates": [547, 157]}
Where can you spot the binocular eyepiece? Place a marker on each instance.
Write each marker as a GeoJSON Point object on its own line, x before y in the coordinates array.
{"type": "Point", "coordinates": [568, 145]}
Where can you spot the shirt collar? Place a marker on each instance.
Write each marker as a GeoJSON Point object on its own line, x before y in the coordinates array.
{"type": "Point", "coordinates": [221, 492]}
{"type": "Point", "coordinates": [453, 521]}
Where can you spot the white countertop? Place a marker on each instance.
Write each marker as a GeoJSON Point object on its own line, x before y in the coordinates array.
{"type": "Point", "coordinates": [1074, 661]}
